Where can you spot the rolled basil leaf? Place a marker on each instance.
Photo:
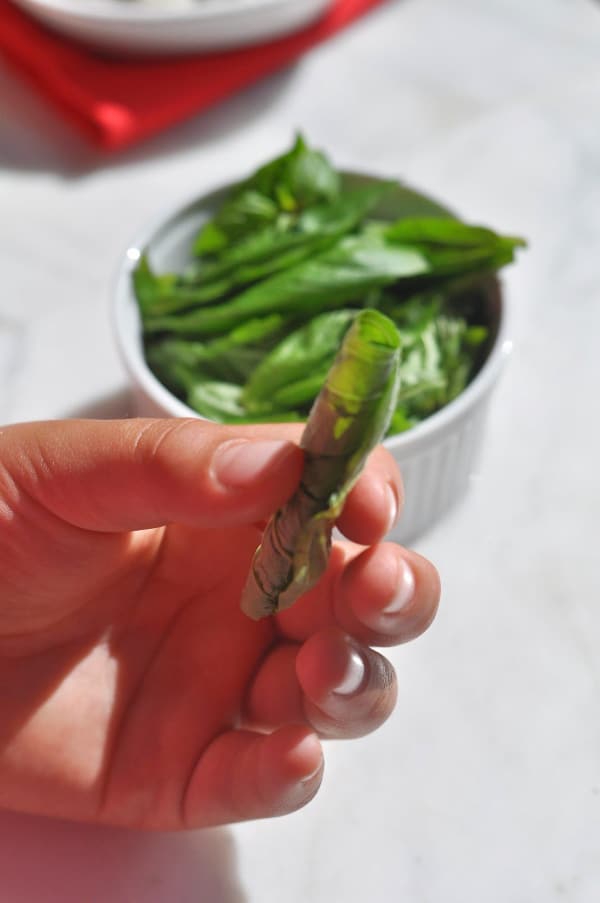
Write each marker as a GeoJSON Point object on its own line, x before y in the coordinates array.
{"type": "Point", "coordinates": [348, 419]}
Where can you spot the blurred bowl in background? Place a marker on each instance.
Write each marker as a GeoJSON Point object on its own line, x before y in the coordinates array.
{"type": "Point", "coordinates": [161, 27]}
{"type": "Point", "coordinates": [437, 456]}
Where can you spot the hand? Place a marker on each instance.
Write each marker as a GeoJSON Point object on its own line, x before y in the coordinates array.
{"type": "Point", "coordinates": [134, 690]}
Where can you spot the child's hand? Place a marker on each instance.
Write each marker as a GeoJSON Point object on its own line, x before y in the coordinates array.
{"type": "Point", "coordinates": [133, 689]}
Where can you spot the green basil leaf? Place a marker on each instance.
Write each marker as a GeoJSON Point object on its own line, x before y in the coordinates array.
{"type": "Point", "coordinates": [222, 402]}
{"type": "Point", "coordinates": [231, 358]}
{"type": "Point", "coordinates": [343, 273]}
{"type": "Point", "coordinates": [311, 347]}
{"type": "Point", "coordinates": [269, 249]}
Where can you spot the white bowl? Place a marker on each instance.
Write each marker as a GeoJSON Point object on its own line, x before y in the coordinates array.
{"type": "Point", "coordinates": [437, 457]}
{"type": "Point", "coordinates": [173, 26]}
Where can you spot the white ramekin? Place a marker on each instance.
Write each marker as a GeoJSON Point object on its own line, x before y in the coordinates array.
{"type": "Point", "coordinates": [437, 457]}
{"type": "Point", "coordinates": [174, 26]}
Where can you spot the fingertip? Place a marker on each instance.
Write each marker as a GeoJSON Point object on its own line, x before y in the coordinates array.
{"type": "Point", "coordinates": [375, 503]}
{"type": "Point", "coordinates": [248, 775]}
{"type": "Point", "coordinates": [329, 662]}
{"type": "Point", "coordinates": [232, 475]}
{"type": "Point", "coordinates": [349, 689]}
{"type": "Point", "coordinates": [291, 768]}
{"type": "Point", "coordinates": [296, 753]}
{"type": "Point", "coordinates": [239, 463]}
{"type": "Point", "coordinates": [370, 580]}
{"type": "Point", "coordinates": [388, 595]}
{"type": "Point", "coordinates": [252, 476]}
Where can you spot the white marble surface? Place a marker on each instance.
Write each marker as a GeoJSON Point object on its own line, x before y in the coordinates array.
{"type": "Point", "coordinates": [485, 783]}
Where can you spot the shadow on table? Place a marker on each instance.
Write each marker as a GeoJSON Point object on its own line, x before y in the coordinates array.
{"type": "Point", "coordinates": [34, 137]}
{"type": "Point", "coordinates": [117, 405]}
{"type": "Point", "coordinates": [49, 861]}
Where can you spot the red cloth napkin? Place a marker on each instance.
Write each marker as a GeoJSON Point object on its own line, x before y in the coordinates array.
{"type": "Point", "coordinates": [116, 103]}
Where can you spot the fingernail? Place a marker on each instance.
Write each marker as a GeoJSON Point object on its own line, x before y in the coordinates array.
{"type": "Point", "coordinates": [310, 748]}
{"type": "Point", "coordinates": [241, 461]}
{"type": "Point", "coordinates": [405, 589]}
{"type": "Point", "coordinates": [393, 506]}
{"type": "Point", "coordinates": [353, 675]}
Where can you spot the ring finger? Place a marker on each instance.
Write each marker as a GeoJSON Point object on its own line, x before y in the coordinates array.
{"type": "Point", "coordinates": [332, 683]}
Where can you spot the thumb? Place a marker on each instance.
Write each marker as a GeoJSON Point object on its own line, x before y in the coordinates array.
{"type": "Point", "coordinates": [115, 475]}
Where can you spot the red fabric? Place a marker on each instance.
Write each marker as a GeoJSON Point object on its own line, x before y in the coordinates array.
{"type": "Point", "coordinates": [120, 102]}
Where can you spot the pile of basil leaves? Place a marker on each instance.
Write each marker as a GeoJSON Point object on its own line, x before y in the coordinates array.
{"type": "Point", "coordinates": [248, 331]}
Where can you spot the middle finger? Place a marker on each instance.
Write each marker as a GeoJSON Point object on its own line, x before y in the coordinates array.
{"type": "Point", "coordinates": [332, 683]}
{"type": "Point", "coordinates": [382, 596]}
